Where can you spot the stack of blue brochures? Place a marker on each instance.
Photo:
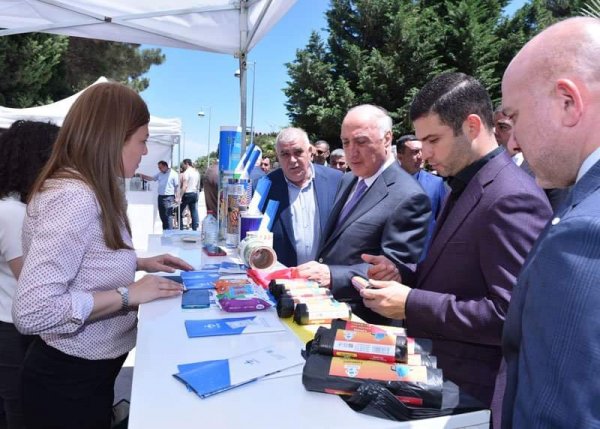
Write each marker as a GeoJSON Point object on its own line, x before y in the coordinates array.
{"type": "Point", "coordinates": [199, 279]}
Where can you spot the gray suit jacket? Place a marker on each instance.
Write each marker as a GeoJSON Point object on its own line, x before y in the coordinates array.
{"type": "Point", "coordinates": [391, 218]}
{"type": "Point", "coordinates": [552, 332]}
{"type": "Point", "coordinates": [464, 285]}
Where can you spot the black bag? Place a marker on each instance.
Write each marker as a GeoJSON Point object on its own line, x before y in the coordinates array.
{"type": "Point", "coordinates": [378, 401]}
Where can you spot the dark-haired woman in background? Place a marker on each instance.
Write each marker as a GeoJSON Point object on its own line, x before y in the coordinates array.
{"type": "Point", "coordinates": [24, 149]}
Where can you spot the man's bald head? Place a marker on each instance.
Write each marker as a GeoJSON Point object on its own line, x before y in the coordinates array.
{"type": "Point", "coordinates": [563, 49]}
{"type": "Point", "coordinates": [551, 90]}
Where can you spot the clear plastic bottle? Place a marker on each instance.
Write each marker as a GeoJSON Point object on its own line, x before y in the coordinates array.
{"type": "Point", "coordinates": [210, 230]}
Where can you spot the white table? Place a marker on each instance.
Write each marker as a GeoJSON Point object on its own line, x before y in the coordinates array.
{"type": "Point", "coordinates": [160, 401]}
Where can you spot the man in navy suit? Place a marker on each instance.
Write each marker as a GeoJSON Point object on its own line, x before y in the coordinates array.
{"type": "Point", "coordinates": [495, 211]}
{"type": "Point", "coordinates": [551, 339]}
{"type": "Point", "coordinates": [378, 209]}
{"type": "Point", "coordinates": [409, 151]}
{"type": "Point", "coordinates": [305, 192]}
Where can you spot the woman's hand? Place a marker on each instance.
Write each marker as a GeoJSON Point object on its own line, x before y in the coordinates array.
{"type": "Point", "coordinates": [165, 262]}
{"type": "Point", "coordinates": [150, 287]}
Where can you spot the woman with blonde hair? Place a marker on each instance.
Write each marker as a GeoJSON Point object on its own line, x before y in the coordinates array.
{"type": "Point", "coordinates": [77, 288]}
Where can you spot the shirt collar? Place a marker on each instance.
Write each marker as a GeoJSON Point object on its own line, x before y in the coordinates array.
{"type": "Point", "coordinates": [370, 180]}
{"type": "Point", "coordinates": [589, 162]}
{"type": "Point", "coordinates": [518, 158]}
{"type": "Point", "coordinates": [459, 182]}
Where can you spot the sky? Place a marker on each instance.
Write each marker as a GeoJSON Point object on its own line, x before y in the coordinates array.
{"type": "Point", "coordinates": [189, 81]}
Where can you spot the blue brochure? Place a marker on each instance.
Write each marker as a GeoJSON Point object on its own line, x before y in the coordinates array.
{"type": "Point", "coordinates": [231, 268]}
{"type": "Point", "coordinates": [208, 378]}
{"type": "Point", "coordinates": [233, 326]}
{"type": "Point", "coordinates": [199, 279]}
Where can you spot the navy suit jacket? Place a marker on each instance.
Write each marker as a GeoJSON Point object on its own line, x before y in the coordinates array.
{"type": "Point", "coordinates": [325, 183]}
{"type": "Point", "coordinates": [552, 332]}
{"type": "Point", "coordinates": [391, 218]}
{"type": "Point", "coordinates": [436, 190]}
{"type": "Point", "coordinates": [464, 285]}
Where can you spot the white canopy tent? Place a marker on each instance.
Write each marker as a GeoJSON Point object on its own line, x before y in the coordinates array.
{"type": "Point", "coordinates": [164, 132]}
{"type": "Point", "coordinates": [225, 26]}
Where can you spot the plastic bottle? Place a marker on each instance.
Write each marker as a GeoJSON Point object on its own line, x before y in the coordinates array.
{"type": "Point", "coordinates": [210, 230]}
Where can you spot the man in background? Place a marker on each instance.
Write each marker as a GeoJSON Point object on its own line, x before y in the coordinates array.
{"type": "Point", "coordinates": [410, 156]}
{"type": "Point", "coordinates": [168, 185]}
{"type": "Point", "coordinates": [305, 192]}
{"type": "Point", "coordinates": [503, 127]}
{"type": "Point", "coordinates": [337, 160]}
{"type": "Point", "coordinates": [265, 164]}
{"type": "Point", "coordinates": [321, 152]}
{"type": "Point", "coordinates": [551, 90]}
{"type": "Point", "coordinates": [211, 186]}
{"type": "Point", "coordinates": [190, 183]}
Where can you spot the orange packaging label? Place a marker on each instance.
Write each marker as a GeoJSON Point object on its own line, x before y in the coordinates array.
{"type": "Point", "coordinates": [364, 345]}
{"type": "Point", "coordinates": [363, 327]}
{"type": "Point", "coordinates": [364, 369]}
{"type": "Point", "coordinates": [223, 286]}
{"type": "Point", "coordinates": [375, 329]}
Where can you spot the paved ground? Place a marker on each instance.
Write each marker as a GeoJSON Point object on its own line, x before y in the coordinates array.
{"type": "Point", "coordinates": [123, 383]}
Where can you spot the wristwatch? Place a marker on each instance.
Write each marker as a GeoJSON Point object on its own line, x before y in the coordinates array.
{"type": "Point", "coordinates": [124, 292]}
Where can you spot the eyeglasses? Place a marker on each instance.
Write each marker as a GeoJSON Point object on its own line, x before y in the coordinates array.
{"type": "Point", "coordinates": [320, 152]}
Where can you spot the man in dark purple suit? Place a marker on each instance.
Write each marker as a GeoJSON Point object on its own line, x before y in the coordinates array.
{"type": "Point", "coordinates": [458, 296]}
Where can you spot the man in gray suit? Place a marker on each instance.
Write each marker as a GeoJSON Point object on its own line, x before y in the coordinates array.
{"type": "Point", "coordinates": [551, 89]}
{"type": "Point", "coordinates": [379, 209]}
{"type": "Point", "coordinates": [495, 211]}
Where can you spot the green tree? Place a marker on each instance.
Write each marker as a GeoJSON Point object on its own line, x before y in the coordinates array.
{"type": "Point", "coordinates": [87, 59]}
{"type": "Point", "coordinates": [384, 51]}
{"type": "Point", "coordinates": [27, 63]}
{"type": "Point", "coordinates": [266, 142]}
{"type": "Point", "coordinates": [40, 68]}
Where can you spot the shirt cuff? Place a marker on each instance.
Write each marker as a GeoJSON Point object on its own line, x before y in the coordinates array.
{"type": "Point", "coordinates": [82, 304]}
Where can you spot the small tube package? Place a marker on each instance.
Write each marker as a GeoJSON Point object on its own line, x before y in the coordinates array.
{"type": "Point", "coordinates": [287, 304]}
{"type": "Point", "coordinates": [278, 286]}
{"type": "Point", "coordinates": [365, 345]}
{"type": "Point", "coordinates": [320, 312]}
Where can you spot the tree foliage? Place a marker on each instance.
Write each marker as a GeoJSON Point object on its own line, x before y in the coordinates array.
{"type": "Point", "coordinates": [383, 51]}
{"type": "Point", "coordinates": [40, 68]}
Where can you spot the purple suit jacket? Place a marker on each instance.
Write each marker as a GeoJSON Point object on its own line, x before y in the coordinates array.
{"type": "Point", "coordinates": [464, 285]}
